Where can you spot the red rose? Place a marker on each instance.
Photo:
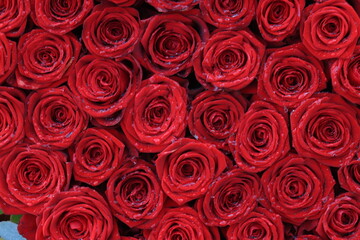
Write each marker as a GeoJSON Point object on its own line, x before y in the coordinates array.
{"type": "Point", "coordinates": [29, 177]}
{"type": "Point", "coordinates": [104, 87]}
{"type": "Point", "coordinates": [187, 167]}
{"type": "Point", "coordinates": [60, 17]}
{"type": "Point", "coordinates": [308, 237]}
{"type": "Point", "coordinates": [45, 59]}
{"type": "Point", "coordinates": [170, 42]}
{"type": "Point", "coordinates": [325, 128]}
{"type": "Point", "coordinates": [124, 3]}
{"type": "Point", "coordinates": [262, 137]}
{"type": "Point", "coordinates": [80, 213]}
{"type": "Point", "coordinates": [181, 223]}
{"type": "Point", "coordinates": [297, 189]}
{"type": "Point", "coordinates": [172, 5]}
{"type": "Point", "coordinates": [259, 224]}
{"type": "Point", "coordinates": [111, 31]}
{"type": "Point", "coordinates": [230, 60]}
{"type": "Point", "coordinates": [278, 19]}
{"type": "Point", "coordinates": [349, 176]}
{"type": "Point", "coordinates": [13, 17]}
{"type": "Point", "coordinates": [96, 155]}
{"type": "Point", "coordinates": [345, 76]}
{"type": "Point", "coordinates": [330, 29]}
{"type": "Point", "coordinates": [157, 114]}
{"type": "Point", "coordinates": [135, 194]}
{"type": "Point", "coordinates": [8, 58]}
{"type": "Point", "coordinates": [228, 14]}
{"type": "Point", "coordinates": [214, 116]}
{"type": "Point", "coordinates": [341, 219]}
{"type": "Point", "coordinates": [290, 75]}
{"type": "Point", "coordinates": [230, 197]}
{"type": "Point", "coordinates": [12, 118]}
{"type": "Point", "coordinates": [52, 118]}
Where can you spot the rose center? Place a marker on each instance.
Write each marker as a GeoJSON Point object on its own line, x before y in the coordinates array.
{"type": "Point", "coordinates": [94, 155]}
{"type": "Point", "coordinates": [354, 72]}
{"type": "Point", "coordinates": [157, 112]}
{"type": "Point", "coordinates": [233, 199]}
{"type": "Point", "coordinates": [230, 59]}
{"type": "Point", "coordinates": [346, 219]}
{"type": "Point", "coordinates": [135, 191]}
{"type": "Point", "coordinates": [171, 44]}
{"type": "Point", "coordinates": [255, 231]}
{"type": "Point", "coordinates": [187, 170]}
{"type": "Point", "coordinates": [260, 135]}
{"type": "Point", "coordinates": [231, 6]}
{"type": "Point", "coordinates": [47, 56]}
{"type": "Point", "coordinates": [115, 32]}
{"type": "Point", "coordinates": [328, 130]}
{"type": "Point", "coordinates": [33, 174]}
{"type": "Point", "coordinates": [330, 27]}
{"type": "Point", "coordinates": [59, 114]}
{"type": "Point", "coordinates": [355, 172]}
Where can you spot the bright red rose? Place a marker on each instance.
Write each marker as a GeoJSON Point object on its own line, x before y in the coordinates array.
{"type": "Point", "coordinates": [278, 19]}
{"type": "Point", "coordinates": [103, 87]}
{"type": "Point", "coordinates": [80, 213]}
{"type": "Point", "coordinates": [53, 119]}
{"type": "Point", "coordinates": [135, 194]}
{"type": "Point", "coordinates": [30, 176]}
{"type": "Point", "coordinates": [214, 116]}
{"type": "Point", "coordinates": [172, 5]}
{"type": "Point", "coordinates": [170, 42]}
{"type": "Point", "coordinates": [187, 167]}
{"type": "Point", "coordinates": [262, 137]}
{"type": "Point", "coordinates": [157, 114]}
{"type": "Point", "coordinates": [231, 196]}
{"type": "Point", "coordinates": [230, 60]}
{"type": "Point", "coordinates": [13, 17]}
{"type": "Point", "coordinates": [111, 31]}
{"type": "Point", "coordinates": [259, 224]}
{"type": "Point", "coordinates": [60, 17]}
{"type": "Point", "coordinates": [8, 57]}
{"type": "Point", "coordinates": [228, 14]}
{"type": "Point", "coordinates": [45, 59]}
{"type": "Point", "coordinates": [290, 75]}
{"type": "Point", "coordinates": [340, 220]}
{"type": "Point", "coordinates": [123, 3]}
{"type": "Point", "coordinates": [330, 29]}
{"type": "Point", "coordinates": [326, 129]}
{"type": "Point", "coordinates": [297, 189]}
{"type": "Point", "coordinates": [349, 176]}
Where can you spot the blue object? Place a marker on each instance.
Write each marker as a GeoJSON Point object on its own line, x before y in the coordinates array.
{"type": "Point", "coordinates": [8, 231]}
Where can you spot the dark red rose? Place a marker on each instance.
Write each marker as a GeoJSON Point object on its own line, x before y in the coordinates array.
{"type": "Point", "coordinates": [12, 118]}
{"type": "Point", "coordinates": [13, 17]}
{"type": "Point", "coordinates": [341, 219]}
{"type": "Point", "coordinates": [187, 167]}
{"type": "Point", "coordinates": [297, 189]}
{"type": "Point", "coordinates": [278, 19]}
{"type": "Point", "coordinates": [325, 128]}
{"type": "Point", "coordinates": [60, 17]}
{"type": "Point", "coordinates": [170, 42]}
{"type": "Point", "coordinates": [157, 114]}
{"type": "Point", "coordinates": [53, 119]}
{"type": "Point", "coordinates": [172, 5]}
{"type": "Point", "coordinates": [135, 194]}
{"type": "Point", "coordinates": [228, 14]}
{"type": "Point", "coordinates": [330, 29]}
{"type": "Point", "coordinates": [259, 224]}
{"type": "Point", "coordinates": [111, 31]}
{"type": "Point", "coordinates": [181, 223]}
{"type": "Point", "coordinates": [349, 176]}
{"type": "Point", "coordinates": [104, 87]}
{"type": "Point", "coordinates": [214, 116]}
{"type": "Point", "coordinates": [29, 177]}
{"type": "Point", "coordinates": [230, 197]}
{"type": "Point", "coordinates": [8, 57]}
{"type": "Point", "coordinates": [290, 75]}
{"type": "Point", "coordinates": [262, 137]}
{"type": "Point", "coordinates": [96, 154]}
{"type": "Point", "coordinates": [230, 60]}
{"type": "Point", "coordinates": [45, 59]}
{"type": "Point", "coordinates": [80, 213]}
{"type": "Point", "coordinates": [345, 76]}
{"type": "Point", "coordinates": [308, 237]}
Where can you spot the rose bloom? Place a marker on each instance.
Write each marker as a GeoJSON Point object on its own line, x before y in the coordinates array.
{"type": "Point", "coordinates": [53, 119]}
{"type": "Point", "coordinates": [172, 5]}
{"type": "Point", "coordinates": [326, 129]}
{"type": "Point", "coordinates": [349, 176]}
{"type": "Point", "coordinates": [45, 59]}
{"type": "Point", "coordinates": [214, 116]}
{"type": "Point", "coordinates": [8, 58]}
{"type": "Point", "coordinates": [230, 60]}
{"type": "Point", "coordinates": [170, 42]}
{"type": "Point", "coordinates": [157, 114]}
{"type": "Point", "coordinates": [290, 75]}
{"type": "Point", "coordinates": [60, 17]}
{"type": "Point", "coordinates": [30, 175]}
{"type": "Point", "coordinates": [135, 195]}
{"type": "Point", "coordinates": [13, 17]}
{"type": "Point", "coordinates": [330, 29]}
{"type": "Point", "coordinates": [187, 167]}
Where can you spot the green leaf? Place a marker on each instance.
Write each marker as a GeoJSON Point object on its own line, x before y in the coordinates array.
{"type": "Point", "coordinates": [15, 218]}
{"type": "Point", "coordinates": [1, 212]}
{"type": "Point", "coordinates": [1, 238]}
